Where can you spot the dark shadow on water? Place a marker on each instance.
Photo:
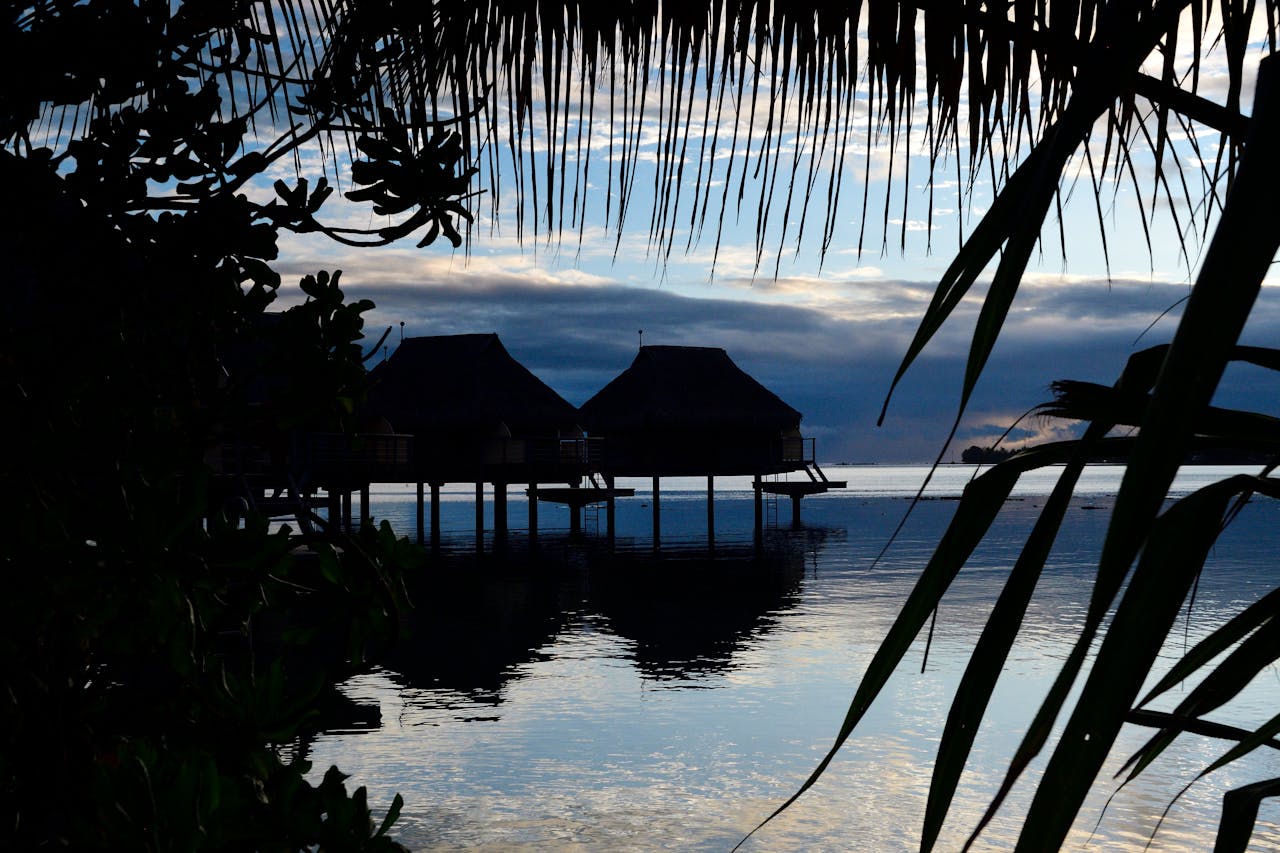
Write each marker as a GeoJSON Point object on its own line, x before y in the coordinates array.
{"type": "Point", "coordinates": [480, 620]}
{"type": "Point", "coordinates": [475, 622]}
{"type": "Point", "coordinates": [689, 616]}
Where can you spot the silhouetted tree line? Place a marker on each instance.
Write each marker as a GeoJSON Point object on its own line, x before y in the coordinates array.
{"type": "Point", "coordinates": [973, 454]}
{"type": "Point", "coordinates": [976, 455]}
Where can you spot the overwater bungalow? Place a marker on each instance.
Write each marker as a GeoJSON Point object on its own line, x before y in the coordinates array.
{"type": "Point", "coordinates": [691, 411]}
{"type": "Point", "coordinates": [476, 414]}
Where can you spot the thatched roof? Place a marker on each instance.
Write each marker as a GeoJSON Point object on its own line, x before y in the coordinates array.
{"type": "Point", "coordinates": [685, 388]}
{"type": "Point", "coordinates": [456, 383]}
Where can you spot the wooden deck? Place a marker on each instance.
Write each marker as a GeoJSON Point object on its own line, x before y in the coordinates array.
{"type": "Point", "coordinates": [800, 488]}
{"type": "Point", "coordinates": [578, 497]}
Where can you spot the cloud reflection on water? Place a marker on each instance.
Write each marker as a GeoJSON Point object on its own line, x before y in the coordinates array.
{"type": "Point", "coordinates": [589, 747]}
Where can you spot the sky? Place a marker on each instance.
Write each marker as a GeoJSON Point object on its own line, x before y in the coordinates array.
{"type": "Point", "coordinates": [825, 334]}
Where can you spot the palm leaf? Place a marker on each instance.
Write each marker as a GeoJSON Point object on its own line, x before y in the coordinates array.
{"type": "Point", "coordinates": [431, 59]}
{"type": "Point", "coordinates": [1220, 686]}
{"type": "Point", "coordinates": [1237, 260]}
{"type": "Point", "coordinates": [1240, 813]}
{"type": "Point", "coordinates": [1207, 728]}
{"type": "Point", "coordinates": [992, 649]}
{"type": "Point", "coordinates": [989, 655]}
{"type": "Point", "coordinates": [1231, 632]}
{"type": "Point", "coordinates": [982, 501]}
{"type": "Point", "coordinates": [1172, 558]}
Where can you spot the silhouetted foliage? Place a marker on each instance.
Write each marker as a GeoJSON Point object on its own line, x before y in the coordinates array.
{"type": "Point", "coordinates": [973, 454]}
{"type": "Point", "coordinates": [153, 649]}
{"type": "Point", "coordinates": [136, 252]}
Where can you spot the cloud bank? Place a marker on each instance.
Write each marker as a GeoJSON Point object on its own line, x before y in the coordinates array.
{"type": "Point", "coordinates": [829, 348]}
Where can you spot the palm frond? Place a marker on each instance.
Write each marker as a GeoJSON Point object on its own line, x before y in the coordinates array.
{"type": "Point", "coordinates": [785, 82]}
{"type": "Point", "coordinates": [522, 81]}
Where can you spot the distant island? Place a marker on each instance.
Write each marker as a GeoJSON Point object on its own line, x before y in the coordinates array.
{"type": "Point", "coordinates": [975, 455]}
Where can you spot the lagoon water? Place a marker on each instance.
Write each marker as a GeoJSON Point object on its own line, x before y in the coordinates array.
{"type": "Point", "coordinates": [589, 702]}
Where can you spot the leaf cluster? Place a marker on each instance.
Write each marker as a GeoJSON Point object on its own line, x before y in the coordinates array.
{"type": "Point", "coordinates": [208, 99]}
{"type": "Point", "coordinates": [161, 641]}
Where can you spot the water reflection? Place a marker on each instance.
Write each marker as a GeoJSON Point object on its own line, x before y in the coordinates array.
{"type": "Point", "coordinates": [688, 617]}
{"type": "Point", "coordinates": [680, 616]}
{"type": "Point", "coordinates": [474, 625]}
{"type": "Point", "coordinates": [574, 723]}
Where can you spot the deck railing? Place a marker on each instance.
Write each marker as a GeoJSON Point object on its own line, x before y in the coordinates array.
{"type": "Point", "coordinates": [799, 450]}
{"type": "Point", "coordinates": [541, 452]}
{"type": "Point", "coordinates": [337, 453]}
{"type": "Point", "coordinates": [579, 451]}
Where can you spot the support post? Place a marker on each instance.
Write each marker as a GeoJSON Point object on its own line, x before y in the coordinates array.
{"type": "Point", "coordinates": [711, 513]}
{"type": "Point", "coordinates": [419, 516]}
{"type": "Point", "coordinates": [365, 514]}
{"type": "Point", "coordinates": [346, 510]}
{"type": "Point", "coordinates": [479, 517]}
{"type": "Point", "coordinates": [759, 506]}
{"type": "Point", "coordinates": [657, 515]}
{"type": "Point", "coordinates": [335, 506]}
{"type": "Point", "coordinates": [609, 511]}
{"type": "Point", "coordinates": [500, 512]}
{"type": "Point", "coordinates": [795, 511]}
{"type": "Point", "coordinates": [575, 516]}
{"type": "Point", "coordinates": [435, 517]}
{"type": "Point", "coordinates": [533, 515]}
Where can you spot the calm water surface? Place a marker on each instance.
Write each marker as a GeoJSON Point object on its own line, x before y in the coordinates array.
{"type": "Point", "coordinates": [595, 703]}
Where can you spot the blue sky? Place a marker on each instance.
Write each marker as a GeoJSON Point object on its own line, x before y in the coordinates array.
{"type": "Point", "coordinates": [826, 337]}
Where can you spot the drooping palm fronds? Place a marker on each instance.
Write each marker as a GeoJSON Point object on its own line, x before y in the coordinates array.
{"type": "Point", "coordinates": [759, 105]}
{"type": "Point", "coordinates": [1156, 548]}
{"type": "Point", "coordinates": [713, 110]}
{"type": "Point", "coordinates": [263, 55]}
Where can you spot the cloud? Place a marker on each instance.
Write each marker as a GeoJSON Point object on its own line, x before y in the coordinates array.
{"type": "Point", "coordinates": [830, 349]}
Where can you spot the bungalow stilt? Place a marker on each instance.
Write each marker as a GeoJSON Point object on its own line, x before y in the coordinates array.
{"type": "Point", "coordinates": [419, 514]}
{"type": "Point", "coordinates": [533, 515]}
{"type": "Point", "coordinates": [711, 513]}
{"type": "Point", "coordinates": [759, 508]}
{"type": "Point", "coordinates": [575, 515]}
{"type": "Point", "coordinates": [479, 518]}
{"type": "Point", "coordinates": [657, 515]}
{"type": "Point", "coordinates": [609, 511]}
{"type": "Point", "coordinates": [500, 512]}
{"type": "Point", "coordinates": [435, 517]}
